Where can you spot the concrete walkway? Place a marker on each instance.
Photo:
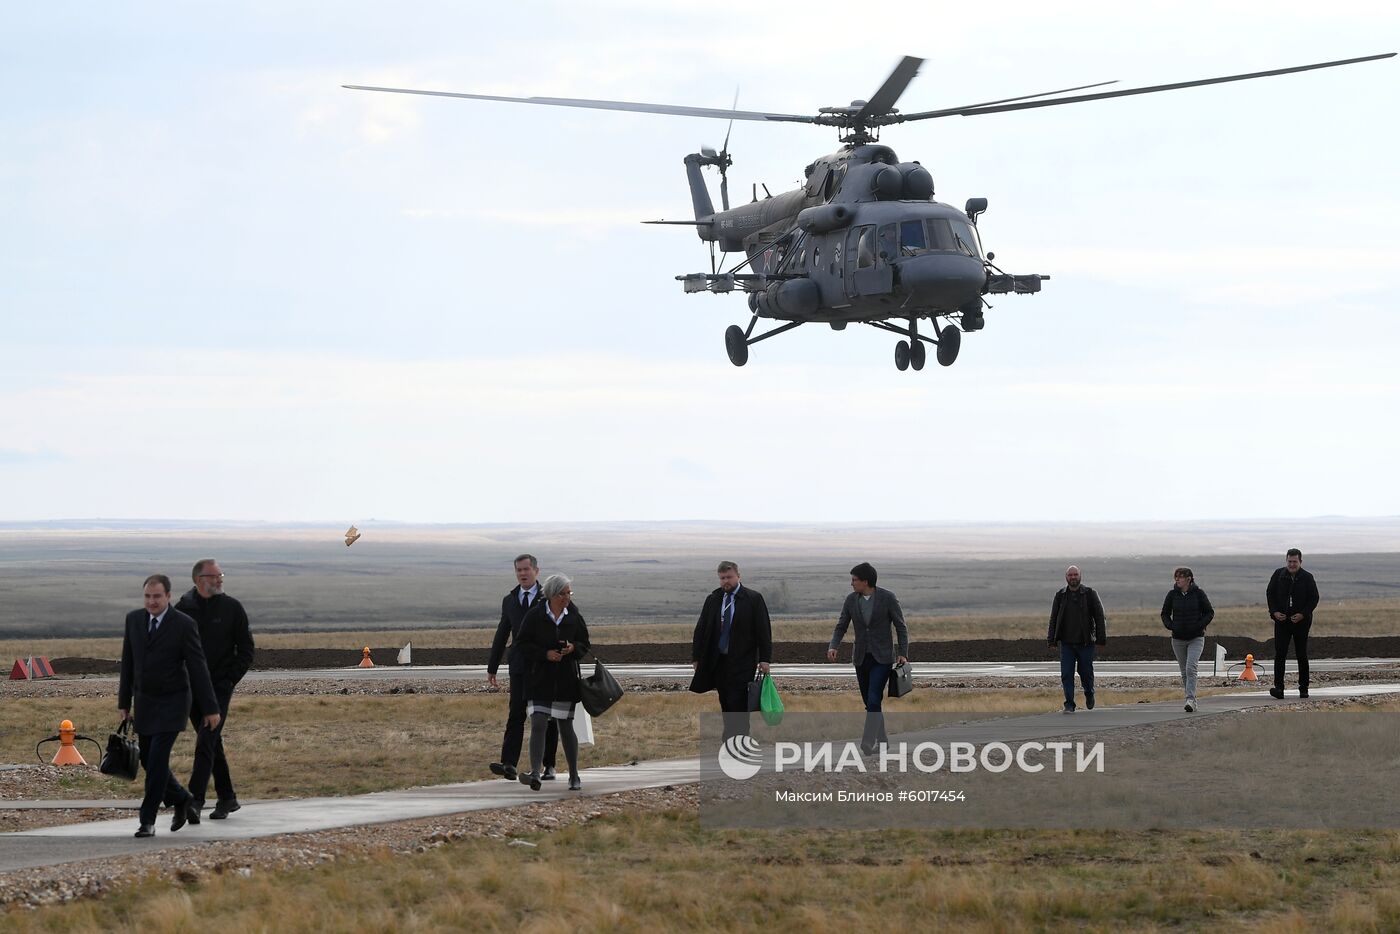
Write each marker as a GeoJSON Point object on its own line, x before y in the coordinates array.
{"type": "Point", "coordinates": [69, 843]}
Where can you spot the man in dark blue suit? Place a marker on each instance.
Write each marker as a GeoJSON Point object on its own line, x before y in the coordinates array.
{"type": "Point", "coordinates": [162, 658]}
{"type": "Point", "coordinates": [513, 609]}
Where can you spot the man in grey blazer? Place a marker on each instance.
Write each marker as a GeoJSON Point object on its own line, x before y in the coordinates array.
{"type": "Point", "coordinates": [874, 612]}
{"type": "Point", "coordinates": [162, 658]}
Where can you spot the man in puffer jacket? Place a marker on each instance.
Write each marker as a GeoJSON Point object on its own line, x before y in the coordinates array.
{"type": "Point", "coordinates": [1187, 612]}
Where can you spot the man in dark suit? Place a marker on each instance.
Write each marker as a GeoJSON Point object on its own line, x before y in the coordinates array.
{"type": "Point", "coordinates": [228, 650]}
{"type": "Point", "coordinates": [733, 639]}
{"type": "Point", "coordinates": [161, 659]}
{"type": "Point", "coordinates": [513, 609]}
{"type": "Point", "coordinates": [1292, 596]}
{"type": "Point", "coordinates": [873, 612]}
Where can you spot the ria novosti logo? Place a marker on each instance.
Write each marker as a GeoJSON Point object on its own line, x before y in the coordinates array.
{"type": "Point", "coordinates": [740, 757]}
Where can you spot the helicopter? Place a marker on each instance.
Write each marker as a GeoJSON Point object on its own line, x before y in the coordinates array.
{"type": "Point", "coordinates": [863, 240]}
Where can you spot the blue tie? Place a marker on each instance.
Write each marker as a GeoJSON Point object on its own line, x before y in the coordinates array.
{"type": "Point", "coordinates": [726, 619]}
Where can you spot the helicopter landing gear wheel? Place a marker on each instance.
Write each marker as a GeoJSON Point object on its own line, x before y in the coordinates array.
{"type": "Point", "coordinates": [901, 356]}
{"type": "Point", "coordinates": [949, 342]}
{"type": "Point", "coordinates": [736, 344]}
{"type": "Point", "coordinates": [917, 355]}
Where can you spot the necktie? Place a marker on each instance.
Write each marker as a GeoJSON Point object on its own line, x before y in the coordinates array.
{"type": "Point", "coordinates": [525, 599]}
{"type": "Point", "coordinates": [151, 628]}
{"type": "Point", "coordinates": [726, 619]}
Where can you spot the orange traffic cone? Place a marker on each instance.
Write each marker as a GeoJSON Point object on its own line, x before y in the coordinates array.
{"type": "Point", "coordinates": [67, 753]}
{"type": "Point", "coordinates": [366, 662]}
{"type": "Point", "coordinates": [1249, 673]}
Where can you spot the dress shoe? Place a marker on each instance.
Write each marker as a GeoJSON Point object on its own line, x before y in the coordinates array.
{"type": "Point", "coordinates": [1276, 693]}
{"type": "Point", "coordinates": [1089, 701]}
{"type": "Point", "coordinates": [224, 808]}
{"type": "Point", "coordinates": [182, 814]}
{"type": "Point", "coordinates": [575, 784]}
{"type": "Point", "coordinates": [146, 830]}
{"type": "Point", "coordinates": [192, 811]}
{"type": "Point", "coordinates": [1068, 708]}
{"type": "Point", "coordinates": [548, 775]}
{"type": "Point", "coordinates": [497, 768]}
{"type": "Point", "coordinates": [531, 779]}
{"type": "Point", "coordinates": [510, 773]}
{"type": "Point", "coordinates": [1303, 693]}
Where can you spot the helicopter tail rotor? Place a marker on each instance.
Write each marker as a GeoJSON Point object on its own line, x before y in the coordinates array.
{"type": "Point", "coordinates": [722, 159]}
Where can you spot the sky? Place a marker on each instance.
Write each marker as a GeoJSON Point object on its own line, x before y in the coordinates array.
{"type": "Point", "coordinates": [231, 289]}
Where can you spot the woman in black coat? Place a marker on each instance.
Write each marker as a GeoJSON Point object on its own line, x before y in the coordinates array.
{"type": "Point", "coordinates": [1187, 612]}
{"type": "Point", "coordinates": [553, 636]}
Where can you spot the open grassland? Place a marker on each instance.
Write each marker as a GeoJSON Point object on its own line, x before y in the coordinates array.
{"type": "Point", "coordinates": [664, 872]}
{"type": "Point", "coordinates": [305, 745]}
{"type": "Point", "coordinates": [954, 582]}
{"type": "Point", "coordinates": [1351, 618]}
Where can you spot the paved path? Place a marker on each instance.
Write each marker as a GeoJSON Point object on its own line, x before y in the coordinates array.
{"type": "Point", "coordinates": [1047, 668]}
{"type": "Point", "coordinates": [55, 845]}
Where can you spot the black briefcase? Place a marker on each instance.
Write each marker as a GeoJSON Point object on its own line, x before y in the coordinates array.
{"type": "Point", "coordinates": [756, 693]}
{"type": "Point", "coordinates": [901, 680]}
{"type": "Point", "coordinates": [598, 691]}
{"type": "Point", "coordinates": [123, 755]}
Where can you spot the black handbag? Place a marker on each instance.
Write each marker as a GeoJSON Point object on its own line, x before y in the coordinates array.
{"type": "Point", "coordinates": [123, 756]}
{"type": "Point", "coordinates": [598, 691]}
{"type": "Point", "coordinates": [901, 680]}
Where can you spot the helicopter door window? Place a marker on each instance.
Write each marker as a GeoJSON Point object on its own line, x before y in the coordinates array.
{"type": "Point", "coordinates": [865, 251]}
{"type": "Point", "coordinates": [911, 238]}
{"type": "Point", "coordinates": [889, 242]}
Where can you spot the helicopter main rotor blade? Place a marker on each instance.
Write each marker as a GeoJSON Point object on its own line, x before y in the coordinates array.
{"type": "Point", "coordinates": [1005, 100]}
{"type": "Point", "coordinates": [630, 106]}
{"type": "Point", "coordinates": [978, 110]}
{"type": "Point", "coordinates": [884, 99]}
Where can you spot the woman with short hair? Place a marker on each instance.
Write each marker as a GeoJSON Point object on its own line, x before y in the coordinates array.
{"type": "Point", "coordinates": [1187, 612]}
{"type": "Point", "coordinates": [553, 636]}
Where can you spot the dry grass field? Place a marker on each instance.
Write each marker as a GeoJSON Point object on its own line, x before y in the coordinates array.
{"type": "Point", "coordinates": [329, 744]}
{"type": "Point", "coordinates": [663, 872]}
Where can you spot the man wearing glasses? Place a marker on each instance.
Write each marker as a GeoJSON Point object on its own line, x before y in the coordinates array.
{"type": "Point", "coordinates": [228, 648]}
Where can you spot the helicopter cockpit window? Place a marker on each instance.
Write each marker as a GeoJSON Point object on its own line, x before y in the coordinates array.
{"type": "Point", "coordinates": [833, 181]}
{"type": "Point", "coordinates": [865, 251]}
{"type": "Point", "coordinates": [911, 238]}
{"type": "Point", "coordinates": [964, 239]}
{"type": "Point", "coordinates": [821, 177]}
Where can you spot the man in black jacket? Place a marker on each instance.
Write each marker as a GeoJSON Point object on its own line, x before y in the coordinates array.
{"type": "Point", "coordinates": [513, 609]}
{"type": "Point", "coordinates": [1292, 596]}
{"type": "Point", "coordinates": [161, 660]}
{"type": "Point", "coordinates": [228, 648]}
{"type": "Point", "coordinates": [733, 640]}
{"type": "Point", "coordinates": [1077, 624]}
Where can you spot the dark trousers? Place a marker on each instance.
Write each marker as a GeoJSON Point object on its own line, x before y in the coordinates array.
{"type": "Point", "coordinates": [873, 677]}
{"type": "Point", "coordinates": [1081, 657]}
{"type": "Point", "coordinates": [732, 677]}
{"type": "Point", "coordinates": [1298, 633]}
{"type": "Point", "coordinates": [209, 754]}
{"type": "Point", "coordinates": [515, 718]}
{"type": "Point", "coordinates": [161, 786]}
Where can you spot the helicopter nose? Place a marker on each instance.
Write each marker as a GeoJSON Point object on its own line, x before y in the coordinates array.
{"type": "Point", "coordinates": [944, 280]}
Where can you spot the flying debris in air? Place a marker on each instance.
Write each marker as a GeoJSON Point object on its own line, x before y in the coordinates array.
{"type": "Point", "coordinates": [352, 535]}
